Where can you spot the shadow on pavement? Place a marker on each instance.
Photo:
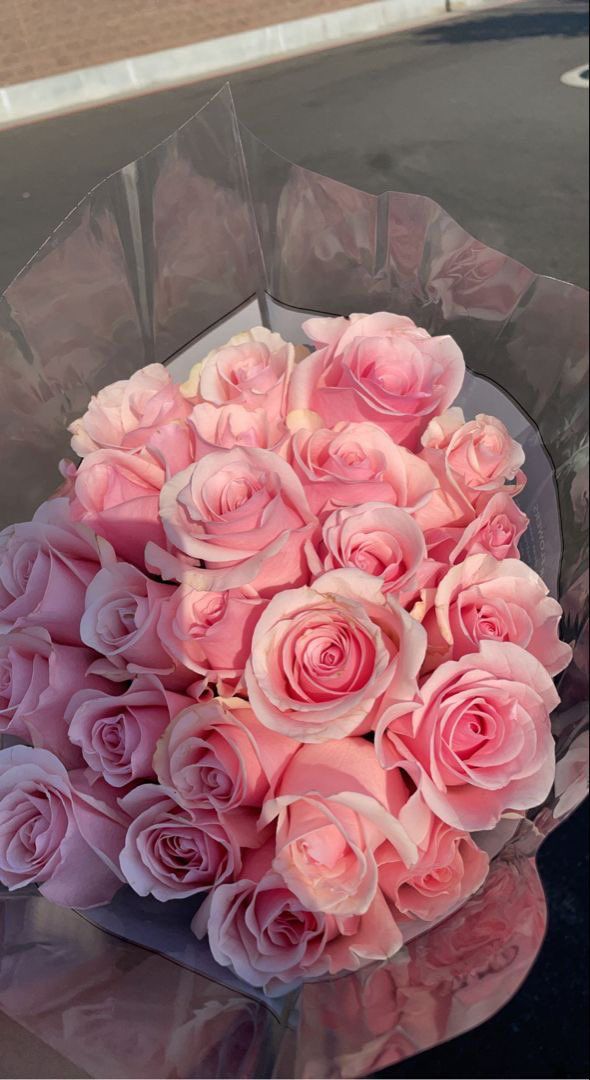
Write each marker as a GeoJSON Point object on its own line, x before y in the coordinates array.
{"type": "Point", "coordinates": [566, 24]}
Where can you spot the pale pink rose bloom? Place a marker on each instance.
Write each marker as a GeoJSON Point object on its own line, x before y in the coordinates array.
{"type": "Point", "coordinates": [171, 852]}
{"type": "Point", "coordinates": [269, 938]}
{"type": "Point", "coordinates": [210, 633]}
{"type": "Point", "coordinates": [218, 427]}
{"type": "Point", "coordinates": [120, 621]}
{"type": "Point", "coordinates": [334, 823]}
{"type": "Point", "coordinates": [216, 754]}
{"type": "Point", "coordinates": [495, 531]}
{"type": "Point", "coordinates": [253, 369]}
{"type": "Point", "coordinates": [243, 514]}
{"type": "Point", "coordinates": [326, 658]}
{"type": "Point", "coordinates": [117, 733]}
{"type": "Point", "coordinates": [37, 681]}
{"type": "Point", "coordinates": [117, 494]}
{"type": "Point", "coordinates": [450, 866]}
{"type": "Point", "coordinates": [441, 429]}
{"type": "Point", "coordinates": [381, 368]}
{"type": "Point", "coordinates": [484, 457]}
{"type": "Point", "coordinates": [54, 833]}
{"type": "Point", "coordinates": [125, 414]}
{"type": "Point", "coordinates": [477, 740]}
{"type": "Point", "coordinates": [485, 599]}
{"type": "Point", "coordinates": [352, 464]}
{"type": "Point", "coordinates": [382, 540]}
{"type": "Point", "coordinates": [45, 567]}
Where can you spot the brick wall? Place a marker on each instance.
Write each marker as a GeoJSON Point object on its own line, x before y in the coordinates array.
{"type": "Point", "coordinates": [44, 37]}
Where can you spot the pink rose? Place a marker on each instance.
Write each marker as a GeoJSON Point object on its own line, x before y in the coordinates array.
{"type": "Point", "coordinates": [325, 658]}
{"type": "Point", "coordinates": [217, 754]}
{"type": "Point", "coordinates": [45, 567]}
{"type": "Point", "coordinates": [484, 599]}
{"type": "Point", "coordinates": [477, 740]}
{"type": "Point", "coordinates": [210, 633]}
{"type": "Point", "coordinates": [483, 457]}
{"type": "Point", "coordinates": [381, 368]}
{"type": "Point", "coordinates": [121, 622]}
{"type": "Point", "coordinates": [54, 833]}
{"type": "Point", "coordinates": [380, 539]}
{"type": "Point", "coordinates": [353, 464]}
{"type": "Point", "coordinates": [218, 427]}
{"type": "Point", "coordinates": [334, 824]}
{"type": "Point", "coordinates": [253, 369]}
{"type": "Point", "coordinates": [171, 852]}
{"type": "Point", "coordinates": [37, 680]}
{"type": "Point", "coordinates": [117, 495]}
{"type": "Point", "coordinates": [260, 929]}
{"type": "Point", "coordinates": [241, 512]}
{"type": "Point", "coordinates": [117, 733]}
{"type": "Point", "coordinates": [450, 866]}
{"type": "Point", "coordinates": [495, 531]}
{"type": "Point", "coordinates": [125, 414]}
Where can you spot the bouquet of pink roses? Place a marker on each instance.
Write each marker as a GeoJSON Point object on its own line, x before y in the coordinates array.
{"type": "Point", "coordinates": [273, 646]}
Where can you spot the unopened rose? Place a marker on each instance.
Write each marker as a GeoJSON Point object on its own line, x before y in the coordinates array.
{"type": "Point", "coordinates": [379, 367]}
{"type": "Point", "coordinates": [324, 658]}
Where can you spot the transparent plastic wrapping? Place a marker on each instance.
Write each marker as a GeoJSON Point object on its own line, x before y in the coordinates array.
{"type": "Point", "coordinates": [208, 232]}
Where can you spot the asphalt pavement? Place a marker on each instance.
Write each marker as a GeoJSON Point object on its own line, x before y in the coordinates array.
{"type": "Point", "coordinates": [472, 113]}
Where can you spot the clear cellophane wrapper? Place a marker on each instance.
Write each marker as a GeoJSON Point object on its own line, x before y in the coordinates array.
{"type": "Point", "coordinates": [210, 233]}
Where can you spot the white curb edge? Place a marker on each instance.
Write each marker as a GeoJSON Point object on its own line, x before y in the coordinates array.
{"type": "Point", "coordinates": [156, 71]}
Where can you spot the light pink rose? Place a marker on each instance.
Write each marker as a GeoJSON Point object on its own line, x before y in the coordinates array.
{"type": "Point", "coordinates": [334, 824]}
{"type": "Point", "coordinates": [37, 680]}
{"type": "Point", "coordinates": [484, 599]}
{"type": "Point", "coordinates": [381, 368]}
{"type": "Point", "coordinates": [382, 540]}
{"type": "Point", "coordinates": [450, 866]}
{"type": "Point", "coordinates": [260, 929]}
{"type": "Point", "coordinates": [352, 464]}
{"type": "Point", "coordinates": [117, 733]}
{"type": "Point", "coordinates": [218, 427]}
{"type": "Point", "coordinates": [210, 633]}
{"type": "Point", "coordinates": [483, 457]}
{"type": "Point", "coordinates": [495, 531]}
{"type": "Point", "coordinates": [217, 754]}
{"type": "Point", "coordinates": [125, 414]}
{"type": "Point", "coordinates": [253, 369]}
{"type": "Point", "coordinates": [478, 738]}
{"type": "Point", "coordinates": [54, 833]}
{"type": "Point", "coordinates": [117, 494]}
{"type": "Point", "coordinates": [243, 513]}
{"type": "Point", "coordinates": [45, 567]}
{"type": "Point", "coordinates": [120, 621]}
{"type": "Point", "coordinates": [171, 852]}
{"type": "Point", "coordinates": [325, 658]}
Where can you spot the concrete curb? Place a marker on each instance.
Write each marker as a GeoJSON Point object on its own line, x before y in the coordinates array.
{"type": "Point", "coordinates": [159, 70]}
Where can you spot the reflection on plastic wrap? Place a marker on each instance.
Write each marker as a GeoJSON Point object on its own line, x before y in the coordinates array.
{"type": "Point", "coordinates": [206, 225]}
{"type": "Point", "coordinates": [114, 1009]}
